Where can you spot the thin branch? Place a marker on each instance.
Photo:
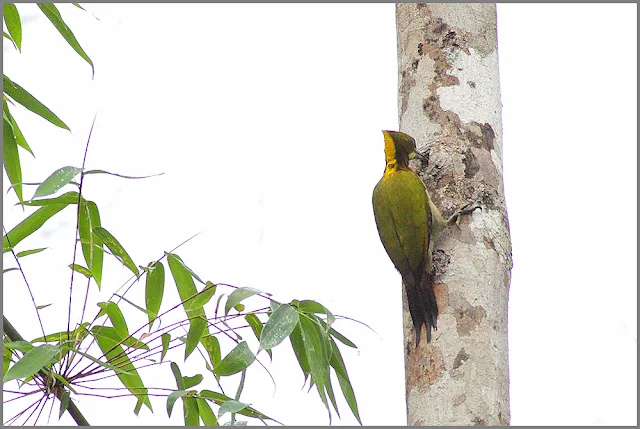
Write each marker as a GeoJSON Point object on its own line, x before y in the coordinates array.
{"type": "Point", "coordinates": [6, 235]}
{"type": "Point", "coordinates": [76, 235]}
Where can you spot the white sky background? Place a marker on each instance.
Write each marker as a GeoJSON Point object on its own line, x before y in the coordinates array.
{"type": "Point", "coordinates": [266, 122]}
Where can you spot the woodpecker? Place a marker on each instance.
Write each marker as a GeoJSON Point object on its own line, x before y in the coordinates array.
{"type": "Point", "coordinates": [407, 222]}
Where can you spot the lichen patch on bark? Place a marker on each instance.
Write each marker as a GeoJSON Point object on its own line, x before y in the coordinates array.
{"type": "Point", "coordinates": [469, 318]}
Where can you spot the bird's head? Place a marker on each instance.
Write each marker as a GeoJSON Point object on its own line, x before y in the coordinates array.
{"type": "Point", "coordinates": [399, 148]}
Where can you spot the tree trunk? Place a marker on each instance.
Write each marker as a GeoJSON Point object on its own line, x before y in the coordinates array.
{"type": "Point", "coordinates": [449, 101]}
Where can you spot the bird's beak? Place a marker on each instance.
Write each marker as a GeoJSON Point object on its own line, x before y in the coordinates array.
{"type": "Point", "coordinates": [418, 155]}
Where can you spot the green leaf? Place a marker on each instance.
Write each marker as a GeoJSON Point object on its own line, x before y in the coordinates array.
{"type": "Point", "coordinates": [53, 15]}
{"type": "Point", "coordinates": [297, 343]}
{"type": "Point", "coordinates": [116, 317]}
{"type": "Point", "coordinates": [203, 297]}
{"type": "Point", "coordinates": [192, 381]}
{"type": "Point", "coordinates": [12, 21]}
{"type": "Point", "coordinates": [231, 406]}
{"type": "Point", "coordinates": [4, 33]}
{"type": "Point", "coordinates": [219, 399]}
{"type": "Point", "coordinates": [345, 384]}
{"type": "Point", "coordinates": [308, 306]}
{"type": "Point", "coordinates": [12, 158]}
{"type": "Point", "coordinates": [30, 225]}
{"type": "Point", "coordinates": [82, 270]}
{"type": "Point", "coordinates": [116, 248]}
{"type": "Point", "coordinates": [183, 279]}
{"type": "Point", "coordinates": [255, 323]}
{"type": "Point", "coordinates": [166, 339]}
{"type": "Point", "coordinates": [78, 334]}
{"type": "Point", "coordinates": [20, 137]}
{"type": "Point", "coordinates": [179, 261]}
{"type": "Point", "coordinates": [6, 270]}
{"type": "Point", "coordinates": [317, 355]}
{"type": "Point", "coordinates": [109, 334]}
{"type": "Point", "coordinates": [238, 295]}
{"type": "Point", "coordinates": [175, 369]}
{"type": "Point", "coordinates": [212, 346]}
{"type": "Point", "coordinates": [33, 361]}
{"type": "Point", "coordinates": [21, 96]}
{"type": "Point", "coordinates": [172, 398]}
{"type": "Point", "coordinates": [206, 414]}
{"type": "Point", "coordinates": [56, 181]}
{"type": "Point", "coordinates": [154, 290]}
{"type": "Point", "coordinates": [30, 252]}
{"type": "Point", "coordinates": [191, 414]}
{"type": "Point", "coordinates": [21, 345]}
{"type": "Point", "coordinates": [6, 358]}
{"type": "Point", "coordinates": [40, 307]}
{"type": "Point", "coordinates": [64, 402]}
{"type": "Point", "coordinates": [107, 340]}
{"type": "Point", "coordinates": [237, 360]}
{"type": "Point", "coordinates": [344, 340]}
{"type": "Point", "coordinates": [92, 246]}
{"type": "Point", "coordinates": [66, 198]}
{"type": "Point", "coordinates": [279, 326]}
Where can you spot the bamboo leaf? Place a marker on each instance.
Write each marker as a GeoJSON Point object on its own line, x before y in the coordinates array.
{"type": "Point", "coordinates": [66, 198]}
{"type": "Point", "coordinates": [20, 140]}
{"type": "Point", "coordinates": [82, 270]}
{"type": "Point", "coordinates": [21, 96]}
{"type": "Point", "coordinates": [117, 318]}
{"type": "Point", "coordinates": [52, 13]}
{"type": "Point", "coordinates": [166, 339]}
{"type": "Point", "coordinates": [231, 406]}
{"type": "Point", "coordinates": [344, 340]}
{"type": "Point", "coordinates": [206, 414]}
{"type": "Point", "coordinates": [192, 381]}
{"type": "Point", "coordinates": [12, 158]}
{"type": "Point", "coordinates": [56, 181]}
{"type": "Point", "coordinates": [183, 279]}
{"type": "Point", "coordinates": [30, 252]}
{"type": "Point", "coordinates": [92, 246]}
{"type": "Point", "coordinates": [33, 361]}
{"type": "Point", "coordinates": [172, 398]}
{"type": "Point", "coordinates": [203, 297]}
{"type": "Point", "coordinates": [343, 378]}
{"type": "Point", "coordinates": [191, 414]}
{"type": "Point", "coordinates": [219, 399]}
{"type": "Point", "coordinates": [212, 346]}
{"type": "Point", "coordinates": [107, 341]}
{"type": "Point", "coordinates": [175, 369]}
{"type": "Point", "coordinates": [4, 33]}
{"type": "Point", "coordinates": [238, 295]}
{"type": "Point", "coordinates": [279, 326]}
{"type": "Point", "coordinates": [12, 21]}
{"type": "Point", "coordinates": [308, 306]}
{"type": "Point", "coordinates": [237, 360]}
{"type": "Point", "coordinates": [154, 290]}
{"type": "Point", "coordinates": [299, 349]}
{"type": "Point", "coordinates": [116, 248]}
{"type": "Point", "coordinates": [64, 402]}
{"type": "Point", "coordinates": [30, 225]}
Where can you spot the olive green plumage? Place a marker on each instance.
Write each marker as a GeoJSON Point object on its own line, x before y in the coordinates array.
{"type": "Point", "coordinates": [403, 216]}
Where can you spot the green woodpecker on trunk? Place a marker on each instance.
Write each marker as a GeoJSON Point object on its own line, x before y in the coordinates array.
{"type": "Point", "coordinates": [407, 222]}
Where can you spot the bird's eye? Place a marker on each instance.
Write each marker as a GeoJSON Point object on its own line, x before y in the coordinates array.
{"type": "Point", "coordinates": [392, 165]}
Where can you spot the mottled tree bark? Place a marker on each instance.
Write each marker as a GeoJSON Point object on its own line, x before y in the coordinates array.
{"type": "Point", "coordinates": [449, 101]}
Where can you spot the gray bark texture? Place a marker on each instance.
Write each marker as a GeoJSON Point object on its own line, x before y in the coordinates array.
{"type": "Point", "coordinates": [449, 101]}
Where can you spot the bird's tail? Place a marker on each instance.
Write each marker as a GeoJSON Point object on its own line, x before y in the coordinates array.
{"type": "Point", "coordinates": [423, 306]}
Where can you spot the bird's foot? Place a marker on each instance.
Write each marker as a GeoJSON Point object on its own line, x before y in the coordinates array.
{"type": "Point", "coordinates": [468, 208]}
